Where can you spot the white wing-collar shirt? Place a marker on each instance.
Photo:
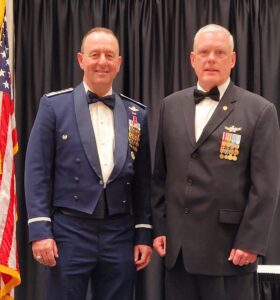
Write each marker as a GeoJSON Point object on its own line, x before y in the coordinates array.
{"type": "Point", "coordinates": [102, 119]}
{"type": "Point", "coordinates": [205, 109]}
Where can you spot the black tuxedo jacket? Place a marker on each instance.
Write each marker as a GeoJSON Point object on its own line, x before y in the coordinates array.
{"type": "Point", "coordinates": [206, 204]}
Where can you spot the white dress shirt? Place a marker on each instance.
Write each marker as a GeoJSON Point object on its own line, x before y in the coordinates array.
{"type": "Point", "coordinates": [102, 119]}
{"type": "Point", "coordinates": [205, 109]}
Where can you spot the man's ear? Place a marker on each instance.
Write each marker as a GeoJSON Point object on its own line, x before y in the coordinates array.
{"type": "Point", "coordinates": [192, 56]}
{"type": "Point", "coordinates": [120, 62]}
{"type": "Point", "coordinates": [233, 59]}
{"type": "Point", "coordinates": [80, 59]}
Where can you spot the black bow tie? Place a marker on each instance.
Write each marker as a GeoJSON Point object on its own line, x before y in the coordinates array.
{"type": "Point", "coordinates": [200, 95]}
{"type": "Point", "coordinates": [107, 100]}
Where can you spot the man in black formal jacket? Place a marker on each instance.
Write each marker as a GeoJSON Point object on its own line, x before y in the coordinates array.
{"type": "Point", "coordinates": [216, 179]}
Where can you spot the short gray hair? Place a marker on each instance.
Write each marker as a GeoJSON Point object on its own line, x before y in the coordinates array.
{"type": "Point", "coordinates": [214, 28]}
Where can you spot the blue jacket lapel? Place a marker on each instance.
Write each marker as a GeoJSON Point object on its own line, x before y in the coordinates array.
{"type": "Point", "coordinates": [121, 137]}
{"type": "Point", "coordinates": [85, 128]}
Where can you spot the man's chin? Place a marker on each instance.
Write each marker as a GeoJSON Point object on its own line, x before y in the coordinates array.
{"type": "Point", "coordinates": [210, 81]}
{"type": "Point", "coordinates": [101, 81]}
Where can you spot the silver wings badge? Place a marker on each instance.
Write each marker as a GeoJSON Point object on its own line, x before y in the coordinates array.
{"type": "Point", "coordinates": [233, 129]}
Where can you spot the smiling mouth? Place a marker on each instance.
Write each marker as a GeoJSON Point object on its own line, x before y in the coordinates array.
{"type": "Point", "coordinates": [211, 72]}
{"type": "Point", "coordinates": [101, 73]}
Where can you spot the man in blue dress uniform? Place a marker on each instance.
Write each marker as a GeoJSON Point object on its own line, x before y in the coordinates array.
{"type": "Point", "coordinates": [87, 182]}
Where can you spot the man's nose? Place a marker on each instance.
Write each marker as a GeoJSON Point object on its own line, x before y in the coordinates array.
{"type": "Point", "coordinates": [102, 59]}
{"type": "Point", "coordinates": [211, 56]}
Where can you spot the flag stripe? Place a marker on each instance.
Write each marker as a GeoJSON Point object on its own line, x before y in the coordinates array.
{"type": "Point", "coordinates": [8, 233]}
{"type": "Point", "coordinates": [9, 268]}
{"type": "Point", "coordinates": [5, 116]}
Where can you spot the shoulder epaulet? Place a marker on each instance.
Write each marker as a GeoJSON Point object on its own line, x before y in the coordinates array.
{"type": "Point", "coordinates": [59, 92]}
{"type": "Point", "coordinates": [134, 101]}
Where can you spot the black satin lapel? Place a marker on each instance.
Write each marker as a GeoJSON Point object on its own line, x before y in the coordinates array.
{"type": "Point", "coordinates": [223, 110]}
{"type": "Point", "coordinates": [121, 137]}
{"type": "Point", "coordinates": [188, 108]}
{"type": "Point", "coordinates": [86, 129]}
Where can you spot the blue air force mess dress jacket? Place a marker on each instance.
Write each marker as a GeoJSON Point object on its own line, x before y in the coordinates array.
{"type": "Point", "coordinates": [62, 166]}
{"type": "Point", "coordinates": [220, 192]}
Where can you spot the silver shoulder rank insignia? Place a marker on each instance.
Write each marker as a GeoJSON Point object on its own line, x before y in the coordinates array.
{"type": "Point", "coordinates": [133, 108]}
{"type": "Point", "coordinates": [133, 101]}
{"type": "Point", "coordinates": [233, 129]}
{"type": "Point", "coordinates": [59, 92]}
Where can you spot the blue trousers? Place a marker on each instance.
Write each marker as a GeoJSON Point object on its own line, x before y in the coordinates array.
{"type": "Point", "coordinates": [100, 251]}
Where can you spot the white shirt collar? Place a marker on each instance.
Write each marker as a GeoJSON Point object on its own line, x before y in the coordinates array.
{"type": "Point", "coordinates": [222, 88]}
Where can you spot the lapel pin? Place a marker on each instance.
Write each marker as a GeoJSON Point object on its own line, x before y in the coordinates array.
{"type": "Point", "coordinates": [225, 107]}
{"type": "Point", "coordinates": [132, 155]}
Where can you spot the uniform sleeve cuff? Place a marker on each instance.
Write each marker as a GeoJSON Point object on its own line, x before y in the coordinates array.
{"type": "Point", "coordinates": [39, 229]}
{"type": "Point", "coordinates": [143, 236]}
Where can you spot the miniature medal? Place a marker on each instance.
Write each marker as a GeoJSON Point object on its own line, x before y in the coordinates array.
{"type": "Point", "coordinates": [230, 143]}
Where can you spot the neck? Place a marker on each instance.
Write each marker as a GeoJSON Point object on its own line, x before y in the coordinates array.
{"type": "Point", "coordinates": [206, 88]}
{"type": "Point", "coordinates": [98, 90]}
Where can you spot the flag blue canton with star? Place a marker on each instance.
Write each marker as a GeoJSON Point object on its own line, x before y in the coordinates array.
{"type": "Point", "coordinates": [4, 61]}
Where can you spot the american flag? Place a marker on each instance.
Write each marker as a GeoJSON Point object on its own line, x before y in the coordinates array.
{"type": "Point", "coordinates": [9, 268]}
